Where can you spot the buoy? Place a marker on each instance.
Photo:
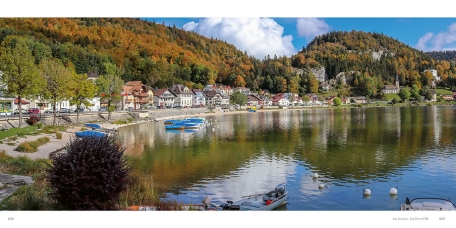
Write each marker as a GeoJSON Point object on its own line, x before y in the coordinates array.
{"type": "Point", "coordinates": [315, 175]}
{"type": "Point", "coordinates": [367, 192]}
{"type": "Point", "coordinates": [321, 186]}
{"type": "Point", "coordinates": [393, 191]}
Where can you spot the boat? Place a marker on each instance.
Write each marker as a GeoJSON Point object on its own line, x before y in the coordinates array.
{"type": "Point", "coordinates": [174, 127]}
{"type": "Point", "coordinates": [428, 204]}
{"type": "Point", "coordinates": [259, 202]}
{"type": "Point", "coordinates": [90, 133]}
{"type": "Point", "coordinates": [93, 126]}
{"type": "Point", "coordinates": [171, 122]}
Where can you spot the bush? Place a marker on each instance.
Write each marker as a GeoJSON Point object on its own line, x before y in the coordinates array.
{"type": "Point", "coordinates": [90, 176]}
{"type": "Point", "coordinates": [26, 147]}
{"type": "Point", "coordinates": [58, 135]}
{"type": "Point", "coordinates": [33, 120]}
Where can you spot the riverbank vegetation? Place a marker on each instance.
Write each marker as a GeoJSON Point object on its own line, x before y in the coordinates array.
{"type": "Point", "coordinates": [49, 191]}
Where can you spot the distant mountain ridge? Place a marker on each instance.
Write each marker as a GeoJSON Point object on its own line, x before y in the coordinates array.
{"type": "Point", "coordinates": [443, 55]}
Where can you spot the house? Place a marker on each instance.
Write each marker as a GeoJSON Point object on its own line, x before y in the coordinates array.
{"type": "Point", "coordinates": [392, 88]}
{"type": "Point", "coordinates": [280, 100]}
{"type": "Point", "coordinates": [243, 90]}
{"type": "Point", "coordinates": [211, 97]}
{"type": "Point", "coordinates": [199, 99]}
{"type": "Point", "coordinates": [360, 100]}
{"type": "Point", "coordinates": [254, 100]}
{"type": "Point", "coordinates": [345, 100]}
{"type": "Point", "coordinates": [127, 97]}
{"type": "Point", "coordinates": [139, 93]}
{"type": "Point", "coordinates": [324, 86]}
{"type": "Point", "coordinates": [184, 96]}
{"type": "Point", "coordinates": [434, 95]}
{"type": "Point", "coordinates": [292, 97]}
{"type": "Point", "coordinates": [163, 98]}
{"type": "Point", "coordinates": [448, 97]}
{"type": "Point", "coordinates": [329, 100]}
{"type": "Point", "coordinates": [313, 99]}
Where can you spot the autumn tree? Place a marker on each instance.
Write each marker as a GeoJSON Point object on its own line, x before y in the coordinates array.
{"type": "Point", "coordinates": [82, 91]}
{"type": "Point", "coordinates": [57, 78]}
{"type": "Point", "coordinates": [239, 81]}
{"type": "Point", "coordinates": [19, 74]}
{"type": "Point", "coordinates": [109, 87]}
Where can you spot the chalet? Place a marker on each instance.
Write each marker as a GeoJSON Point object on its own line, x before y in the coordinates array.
{"type": "Point", "coordinates": [127, 97]}
{"type": "Point", "coordinates": [163, 98]}
{"type": "Point", "coordinates": [184, 96]}
{"type": "Point", "coordinates": [139, 93]}
{"type": "Point", "coordinates": [222, 89]}
{"type": "Point", "coordinates": [292, 97]}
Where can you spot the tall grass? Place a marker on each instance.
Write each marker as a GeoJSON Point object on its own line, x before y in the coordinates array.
{"type": "Point", "coordinates": [32, 146]}
{"type": "Point", "coordinates": [140, 191]}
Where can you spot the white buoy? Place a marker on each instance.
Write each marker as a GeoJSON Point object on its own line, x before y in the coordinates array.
{"type": "Point", "coordinates": [315, 175]}
{"type": "Point", "coordinates": [393, 191]}
{"type": "Point", "coordinates": [321, 186]}
{"type": "Point", "coordinates": [367, 192]}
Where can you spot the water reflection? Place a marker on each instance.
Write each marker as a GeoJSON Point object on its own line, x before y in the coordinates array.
{"type": "Point", "coordinates": [350, 149]}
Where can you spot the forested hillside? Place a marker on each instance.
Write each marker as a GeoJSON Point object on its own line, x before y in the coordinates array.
{"type": "Point", "coordinates": [443, 55]}
{"type": "Point", "coordinates": [160, 56]}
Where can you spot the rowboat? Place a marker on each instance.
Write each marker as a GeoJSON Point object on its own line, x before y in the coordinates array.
{"type": "Point", "coordinates": [259, 202]}
{"type": "Point", "coordinates": [428, 204]}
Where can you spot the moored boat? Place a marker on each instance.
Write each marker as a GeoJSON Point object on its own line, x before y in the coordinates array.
{"type": "Point", "coordinates": [259, 202]}
{"type": "Point", "coordinates": [428, 204]}
{"type": "Point", "coordinates": [90, 133]}
{"type": "Point", "coordinates": [174, 127]}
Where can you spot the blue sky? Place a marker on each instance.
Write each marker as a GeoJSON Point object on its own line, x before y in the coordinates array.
{"type": "Point", "coordinates": [286, 36]}
{"type": "Point", "coordinates": [270, 26]}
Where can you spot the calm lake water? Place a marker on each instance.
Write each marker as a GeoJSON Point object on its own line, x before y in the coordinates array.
{"type": "Point", "coordinates": [411, 148]}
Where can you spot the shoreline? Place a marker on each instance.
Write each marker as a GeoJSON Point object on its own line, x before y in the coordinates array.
{"type": "Point", "coordinates": [55, 145]}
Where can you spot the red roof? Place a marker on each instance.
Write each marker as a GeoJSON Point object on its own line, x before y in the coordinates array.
{"type": "Point", "coordinates": [23, 101]}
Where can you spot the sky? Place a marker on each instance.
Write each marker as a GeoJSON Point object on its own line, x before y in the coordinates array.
{"type": "Point", "coordinates": [261, 36]}
{"type": "Point", "coordinates": [271, 27]}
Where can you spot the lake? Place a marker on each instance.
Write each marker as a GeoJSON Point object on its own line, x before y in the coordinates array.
{"type": "Point", "coordinates": [409, 148]}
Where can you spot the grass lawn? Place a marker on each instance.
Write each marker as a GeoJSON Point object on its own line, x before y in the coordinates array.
{"type": "Point", "coordinates": [391, 96]}
{"type": "Point", "coordinates": [16, 131]}
{"type": "Point", "coordinates": [443, 91]}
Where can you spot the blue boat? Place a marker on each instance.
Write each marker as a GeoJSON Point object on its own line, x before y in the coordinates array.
{"type": "Point", "coordinates": [174, 127]}
{"type": "Point", "coordinates": [93, 126]}
{"type": "Point", "coordinates": [90, 133]}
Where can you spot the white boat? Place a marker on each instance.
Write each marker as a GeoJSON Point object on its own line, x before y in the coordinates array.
{"type": "Point", "coordinates": [428, 204]}
{"type": "Point", "coordinates": [258, 202]}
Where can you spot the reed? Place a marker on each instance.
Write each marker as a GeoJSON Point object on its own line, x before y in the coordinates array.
{"type": "Point", "coordinates": [32, 146]}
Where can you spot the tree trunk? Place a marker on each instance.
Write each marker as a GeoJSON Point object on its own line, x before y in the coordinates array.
{"type": "Point", "coordinates": [19, 101]}
{"type": "Point", "coordinates": [53, 122]}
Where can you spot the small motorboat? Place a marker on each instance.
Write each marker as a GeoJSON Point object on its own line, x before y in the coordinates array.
{"type": "Point", "coordinates": [174, 127]}
{"type": "Point", "coordinates": [428, 204]}
{"type": "Point", "coordinates": [258, 202]}
{"type": "Point", "coordinates": [93, 126]}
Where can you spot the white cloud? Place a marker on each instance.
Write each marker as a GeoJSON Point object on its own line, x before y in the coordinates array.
{"type": "Point", "coordinates": [311, 27]}
{"type": "Point", "coordinates": [258, 36]}
{"type": "Point", "coordinates": [439, 41]}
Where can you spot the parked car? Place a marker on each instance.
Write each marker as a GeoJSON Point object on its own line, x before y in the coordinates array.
{"type": "Point", "coordinates": [51, 111]}
{"type": "Point", "coordinates": [16, 111]}
{"type": "Point", "coordinates": [33, 110]}
{"type": "Point", "coordinates": [65, 110]}
{"type": "Point", "coordinates": [102, 109]}
{"type": "Point", "coordinates": [80, 110]}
